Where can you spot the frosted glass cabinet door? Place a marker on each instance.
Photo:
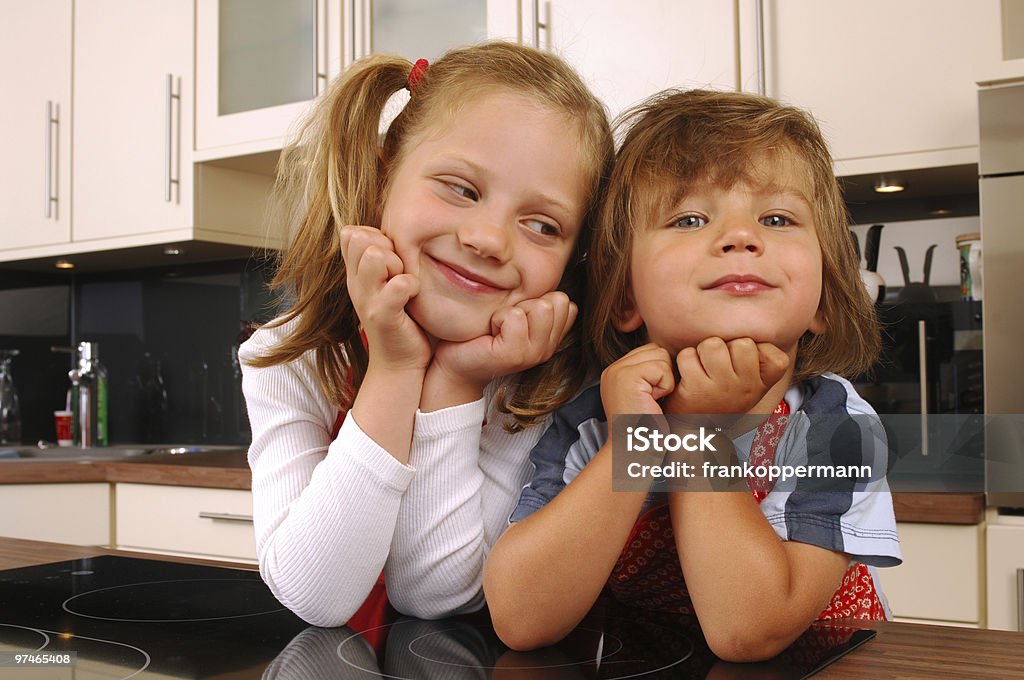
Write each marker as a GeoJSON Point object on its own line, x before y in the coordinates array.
{"type": "Point", "coordinates": [259, 64]}
{"type": "Point", "coordinates": [424, 29]}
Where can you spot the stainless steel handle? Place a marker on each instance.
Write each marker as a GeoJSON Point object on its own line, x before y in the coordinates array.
{"type": "Point", "coordinates": [351, 33]}
{"type": "Point", "coordinates": [537, 24]}
{"type": "Point", "coordinates": [922, 365]}
{"type": "Point", "coordinates": [1020, 600]}
{"type": "Point", "coordinates": [759, 36]}
{"type": "Point", "coordinates": [169, 179]}
{"type": "Point", "coordinates": [319, 45]}
{"type": "Point", "coordinates": [49, 167]}
{"type": "Point", "coordinates": [230, 517]}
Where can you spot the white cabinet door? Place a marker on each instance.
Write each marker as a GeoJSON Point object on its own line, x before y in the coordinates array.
{"type": "Point", "coordinates": [78, 514]}
{"type": "Point", "coordinates": [133, 124]}
{"type": "Point", "coordinates": [628, 51]}
{"type": "Point", "coordinates": [35, 123]}
{"type": "Point", "coordinates": [893, 84]}
{"type": "Point", "coordinates": [1005, 545]}
{"type": "Point", "coordinates": [940, 580]}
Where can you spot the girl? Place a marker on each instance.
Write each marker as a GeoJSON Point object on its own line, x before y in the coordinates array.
{"type": "Point", "coordinates": [443, 334]}
{"type": "Point", "coordinates": [723, 252]}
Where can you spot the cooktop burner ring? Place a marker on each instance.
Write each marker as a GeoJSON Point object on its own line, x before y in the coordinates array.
{"type": "Point", "coordinates": [604, 657]}
{"type": "Point", "coordinates": [254, 583]}
{"type": "Point", "coordinates": [46, 638]}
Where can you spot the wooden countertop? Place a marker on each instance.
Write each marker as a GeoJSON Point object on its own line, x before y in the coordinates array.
{"type": "Point", "coordinates": [229, 470]}
{"type": "Point", "coordinates": [218, 469]}
{"type": "Point", "coordinates": [900, 650]}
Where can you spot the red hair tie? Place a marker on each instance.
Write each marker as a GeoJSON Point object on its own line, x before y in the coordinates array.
{"type": "Point", "coordinates": [416, 74]}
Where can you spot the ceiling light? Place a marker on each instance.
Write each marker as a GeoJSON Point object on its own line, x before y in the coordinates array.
{"type": "Point", "coordinates": [886, 186]}
{"type": "Point", "coordinates": [64, 264]}
{"type": "Point", "coordinates": [173, 251]}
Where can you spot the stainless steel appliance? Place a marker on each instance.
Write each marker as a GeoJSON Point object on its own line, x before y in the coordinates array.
{"type": "Point", "coordinates": [1001, 169]}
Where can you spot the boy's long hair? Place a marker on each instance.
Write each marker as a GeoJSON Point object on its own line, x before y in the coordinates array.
{"type": "Point", "coordinates": [676, 140]}
{"type": "Point", "coordinates": [338, 172]}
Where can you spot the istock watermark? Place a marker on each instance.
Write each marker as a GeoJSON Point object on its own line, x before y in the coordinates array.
{"type": "Point", "coordinates": [819, 452]}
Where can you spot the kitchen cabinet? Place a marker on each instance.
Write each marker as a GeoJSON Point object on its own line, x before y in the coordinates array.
{"type": "Point", "coordinates": [119, 162]}
{"type": "Point", "coordinates": [79, 514]}
{"type": "Point", "coordinates": [893, 84]}
{"type": "Point", "coordinates": [941, 580]}
{"type": "Point", "coordinates": [183, 520]}
{"type": "Point", "coordinates": [132, 165]}
{"type": "Point", "coordinates": [260, 64]}
{"type": "Point", "coordinates": [1005, 571]}
{"type": "Point", "coordinates": [627, 52]}
{"type": "Point", "coordinates": [35, 123]}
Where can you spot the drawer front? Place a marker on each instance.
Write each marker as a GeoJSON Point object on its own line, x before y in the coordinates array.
{"type": "Point", "coordinates": [189, 520]}
{"type": "Point", "coordinates": [941, 577]}
{"type": "Point", "coordinates": [78, 514]}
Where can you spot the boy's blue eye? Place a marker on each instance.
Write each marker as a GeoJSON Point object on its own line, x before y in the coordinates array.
{"type": "Point", "coordinates": [776, 221]}
{"type": "Point", "coordinates": [690, 222]}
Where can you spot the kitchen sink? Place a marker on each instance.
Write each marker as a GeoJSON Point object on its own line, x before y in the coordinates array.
{"type": "Point", "coordinates": [117, 452]}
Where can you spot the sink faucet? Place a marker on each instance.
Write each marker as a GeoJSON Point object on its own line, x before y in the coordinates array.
{"type": "Point", "coordinates": [89, 398]}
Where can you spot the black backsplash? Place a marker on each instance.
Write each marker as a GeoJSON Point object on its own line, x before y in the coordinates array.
{"type": "Point", "coordinates": [168, 338]}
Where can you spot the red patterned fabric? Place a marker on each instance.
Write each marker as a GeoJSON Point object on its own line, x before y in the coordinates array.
{"type": "Point", "coordinates": [648, 574]}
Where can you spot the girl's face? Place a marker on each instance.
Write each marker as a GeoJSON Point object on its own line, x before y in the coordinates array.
{"type": "Point", "coordinates": [736, 263]}
{"type": "Point", "coordinates": [485, 209]}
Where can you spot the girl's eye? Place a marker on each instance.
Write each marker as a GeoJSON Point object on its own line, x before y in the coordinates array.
{"type": "Point", "coordinates": [464, 191]}
{"type": "Point", "coordinates": [690, 222]}
{"type": "Point", "coordinates": [776, 221]}
{"type": "Point", "coordinates": [542, 228]}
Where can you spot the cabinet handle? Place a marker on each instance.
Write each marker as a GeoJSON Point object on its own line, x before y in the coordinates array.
{"type": "Point", "coordinates": [231, 517]}
{"type": "Point", "coordinates": [52, 162]}
{"type": "Point", "coordinates": [1020, 600]}
{"type": "Point", "coordinates": [351, 33]}
{"type": "Point", "coordinates": [759, 51]}
{"type": "Point", "coordinates": [922, 365]}
{"type": "Point", "coordinates": [169, 179]}
{"type": "Point", "coordinates": [319, 46]}
{"type": "Point", "coordinates": [537, 23]}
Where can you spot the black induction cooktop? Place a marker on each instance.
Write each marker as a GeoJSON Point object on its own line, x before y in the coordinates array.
{"type": "Point", "coordinates": [135, 618]}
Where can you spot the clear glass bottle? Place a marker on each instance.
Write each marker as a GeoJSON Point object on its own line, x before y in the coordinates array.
{"type": "Point", "coordinates": [10, 408]}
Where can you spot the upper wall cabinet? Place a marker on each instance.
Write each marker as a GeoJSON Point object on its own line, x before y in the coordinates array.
{"type": "Point", "coordinates": [260, 63]}
{"type": "Point", "coordinates": [98, 138]}
{"type": "Point", "coordinates": [35, 123]}
{"type": "Point", "coordinates": [132, 158]}
{"type": "Point", "coordinates": [893, 84]}
{"type": "Point", "coordinates": [628, 51]}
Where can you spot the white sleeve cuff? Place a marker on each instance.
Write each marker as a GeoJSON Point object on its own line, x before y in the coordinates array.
{"type": "Point", "coordinates": [449, 420]}
{"type": "Point", "coordinates": [355, 444]}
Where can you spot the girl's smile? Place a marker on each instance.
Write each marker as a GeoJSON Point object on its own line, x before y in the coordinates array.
{"type": "Point", "coordinates": [484, 210]}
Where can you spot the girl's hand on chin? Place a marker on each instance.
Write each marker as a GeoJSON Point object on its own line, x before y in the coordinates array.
{"type": "Point", "coordinates": [522, 336]}
{"type": "Point", "coordinates": [726, 377]}
{"type": "Point", "coordinates": [380, 289]}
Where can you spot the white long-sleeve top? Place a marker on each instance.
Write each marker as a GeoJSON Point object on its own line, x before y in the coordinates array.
{"type": "Point", "coordinates": [330, 515]}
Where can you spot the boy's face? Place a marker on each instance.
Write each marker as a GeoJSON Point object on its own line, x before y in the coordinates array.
{"type": "Point", "coordinates": [736, 263]}
{"type": "Point", "coordinates": [485, 212]}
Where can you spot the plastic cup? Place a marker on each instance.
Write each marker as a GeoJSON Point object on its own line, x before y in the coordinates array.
{"type": "Point", "coordinates": [63, 421]}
